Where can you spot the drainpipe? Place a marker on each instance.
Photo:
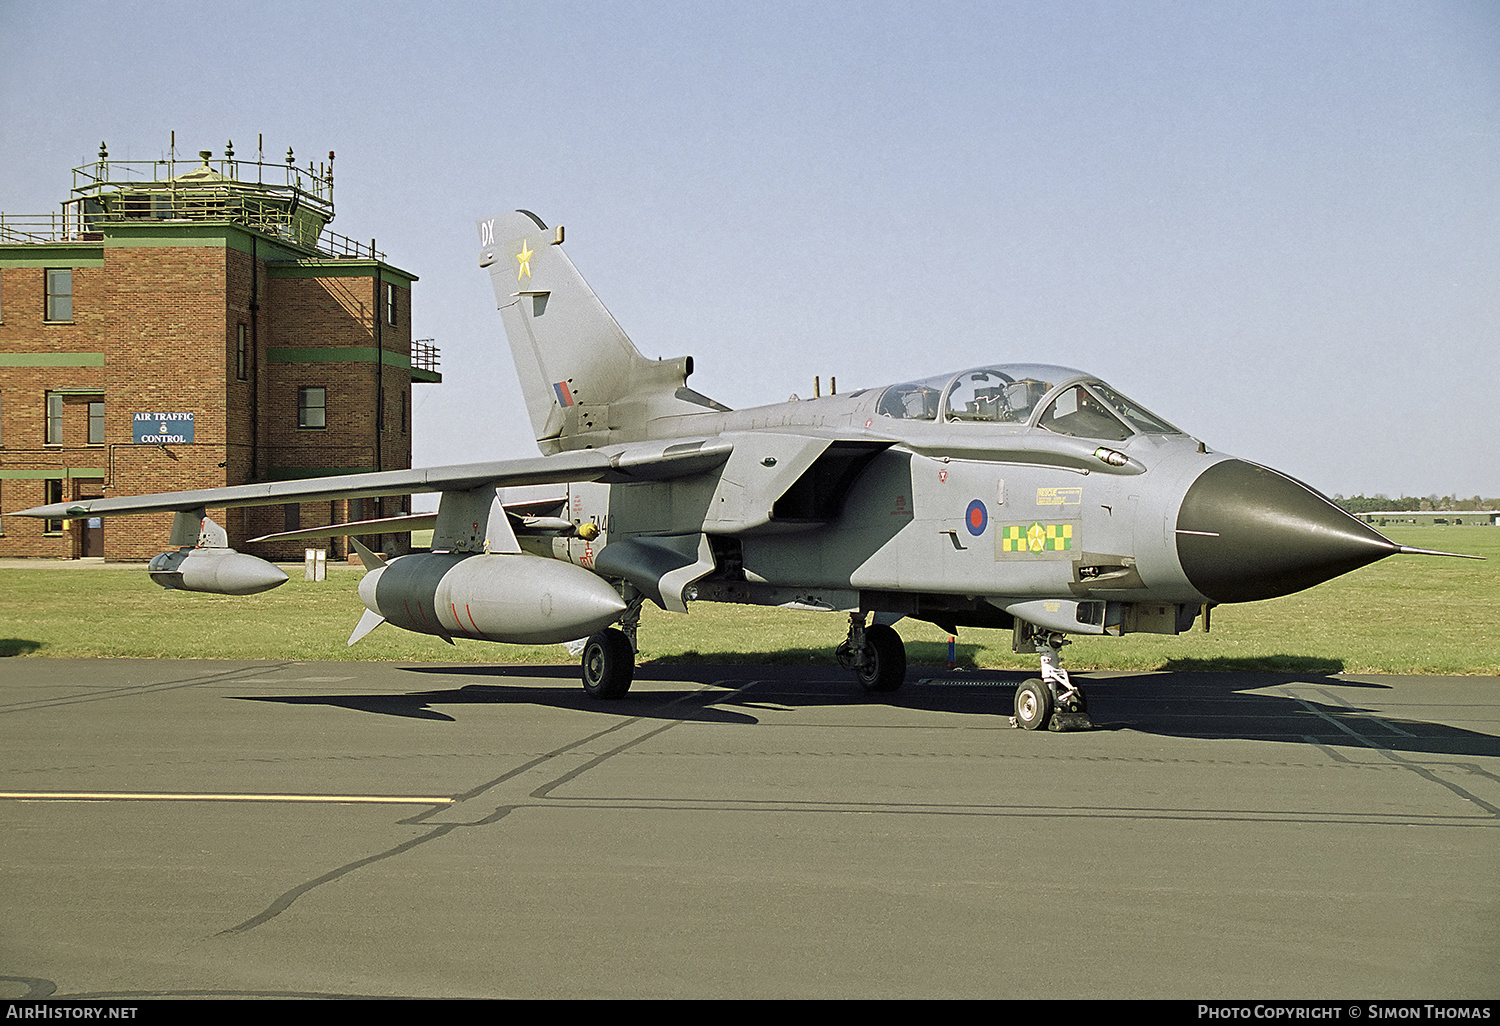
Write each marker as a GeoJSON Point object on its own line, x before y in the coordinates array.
{"type": "Point", "coordinates": [379, 363]}
{"type": "Point", "coordinates": [379, 312]}
{"type": "Point", "coordinates": [253, 358]}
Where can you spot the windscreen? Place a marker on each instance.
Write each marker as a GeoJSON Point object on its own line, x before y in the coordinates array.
{"type": "Point", "coordinates": [1137, 416]}
{"type": "Point", "coordinates": [1077, 412]}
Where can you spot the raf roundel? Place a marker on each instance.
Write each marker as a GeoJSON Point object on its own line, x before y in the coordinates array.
{"type": "Point", "coordinates": [977, 518]}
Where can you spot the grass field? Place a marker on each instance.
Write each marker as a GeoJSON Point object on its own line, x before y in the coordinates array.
{"type": "Point", "coordinates": [1408, 614]}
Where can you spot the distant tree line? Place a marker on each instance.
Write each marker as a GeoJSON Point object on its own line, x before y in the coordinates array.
{"type": "Point", "coordinates": [1412, 504]}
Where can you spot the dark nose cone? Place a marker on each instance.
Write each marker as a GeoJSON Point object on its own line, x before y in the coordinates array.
{"type": "Point", "coordinates": [1246, 533]}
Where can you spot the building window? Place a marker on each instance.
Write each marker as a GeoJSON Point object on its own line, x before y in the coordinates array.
{"type": "Point", "coordinates": [241, 356]}
{"type": "Point", "coordinates": [54, 418]}
{"type": "Point", "coordinates": [390, 304]}
{"type": "Point", "coordinates": [404, 400]}
{"type": "Point", "coordinates": [52, 492]}
{"type": "Point", "coordinates": [96, 422]}
{"type": "Point", "coordinates": [59, 293]}
{"type": "Point", "coordinates": [312, 407]}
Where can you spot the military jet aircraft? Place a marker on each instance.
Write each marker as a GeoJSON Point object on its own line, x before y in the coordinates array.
{"type": "Point", "coordinates": [1015, 496]}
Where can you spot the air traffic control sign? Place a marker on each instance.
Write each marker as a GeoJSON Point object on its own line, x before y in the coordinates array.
{"type": "Point", "coordinates": [162, 428]}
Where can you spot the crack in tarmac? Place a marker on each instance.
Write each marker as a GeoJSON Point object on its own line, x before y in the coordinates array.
{"type": "Point", "coordinates": [1406, 764]}
{"type": "Point", "coordinates": [288, 898]}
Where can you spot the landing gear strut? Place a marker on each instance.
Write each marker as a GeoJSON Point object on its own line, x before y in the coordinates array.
{"type": "Point", "coordinates": [875, 653]}
{"type": "Point", "coordinates": [1051, 701]}
{"type": "Point", "coordinates": [630, 623]}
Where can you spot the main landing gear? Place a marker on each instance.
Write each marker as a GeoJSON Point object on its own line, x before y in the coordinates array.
{"type": "Point", "coordinates": [1051, 701]}
{"type": "Point", "coordinates": [609, 657]}
{"type": "Point", "coordinates": [875, 653]}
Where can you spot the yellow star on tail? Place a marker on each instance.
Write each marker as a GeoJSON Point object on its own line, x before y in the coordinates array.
{"type": "Point", "coordinates": [524, 259]}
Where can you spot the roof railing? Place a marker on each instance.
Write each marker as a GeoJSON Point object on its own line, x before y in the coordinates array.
{"type": "Point", "coordinates": [315, 184]}
{"type": "Point", "coordinates": [282, 201]}
{"type": "Point", "coordinates": [425, 355]}
{"type": "Point", "coordinates": [32, 228]}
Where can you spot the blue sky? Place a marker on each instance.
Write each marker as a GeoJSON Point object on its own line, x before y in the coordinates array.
{"type": "Point", "coordinates": [1275, 224]}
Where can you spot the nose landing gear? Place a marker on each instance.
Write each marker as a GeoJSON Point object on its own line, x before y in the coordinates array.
{"type": "Point", "coordinates": [1052, 701]}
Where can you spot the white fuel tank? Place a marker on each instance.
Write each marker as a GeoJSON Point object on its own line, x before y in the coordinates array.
{"type": "Point", "coordinates": [215, 571]}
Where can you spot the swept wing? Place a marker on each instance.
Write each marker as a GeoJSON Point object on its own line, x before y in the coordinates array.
{"type": "Point", "coordinates": [618, 464]}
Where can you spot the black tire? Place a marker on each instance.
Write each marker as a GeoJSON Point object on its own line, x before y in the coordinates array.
{"type": "Point", "coordinates": [1033, 704]}
{"type": "Point", "coordinates": [885, 659]}
{"type": "Point", "coordinates": [608, 664]}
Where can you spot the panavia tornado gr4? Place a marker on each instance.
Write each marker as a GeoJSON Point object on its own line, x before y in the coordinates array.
{"type": "Point", "coordinates": [1026, 497]}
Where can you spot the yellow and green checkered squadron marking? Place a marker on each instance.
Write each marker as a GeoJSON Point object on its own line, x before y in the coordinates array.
{"type": "Point", "coordinates": [1037, 538]}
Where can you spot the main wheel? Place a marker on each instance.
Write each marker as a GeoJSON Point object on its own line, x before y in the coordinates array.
{"type": "Point", "coordinates": [608, 664]}
{"type": "Point", "coordinates": [1033, 704]}
{"type": "Point", "coordinates": [885, 659]}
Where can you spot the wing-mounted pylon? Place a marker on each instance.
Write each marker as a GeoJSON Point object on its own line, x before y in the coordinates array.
{"type": "Point", "coordinates": [473, 521]}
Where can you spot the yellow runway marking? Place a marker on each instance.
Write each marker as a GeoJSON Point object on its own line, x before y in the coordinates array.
{"type": "Point", "coordinates": [162, 796]}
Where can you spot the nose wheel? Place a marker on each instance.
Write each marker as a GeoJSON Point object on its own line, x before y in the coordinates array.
{"type": "Point", "coordinates": [1033, 705]}
{"type": "Point", "coordinates": [1051, 701]}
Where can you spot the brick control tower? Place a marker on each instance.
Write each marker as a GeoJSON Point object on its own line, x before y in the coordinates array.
{"type": "Point", "coordinates": [192, 324]}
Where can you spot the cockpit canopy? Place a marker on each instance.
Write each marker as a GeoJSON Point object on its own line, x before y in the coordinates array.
{"type": "Point", "coordinates": [1070, 402]}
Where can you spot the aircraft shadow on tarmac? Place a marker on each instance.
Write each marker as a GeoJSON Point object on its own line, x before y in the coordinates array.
{"type": "Point", "coordinates": [1173, 703]}
{"type": "Point", "coordinates": [688, 705]}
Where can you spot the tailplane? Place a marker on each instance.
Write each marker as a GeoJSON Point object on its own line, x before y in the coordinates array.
{"type": "Point", "coordinates": [585, 383]}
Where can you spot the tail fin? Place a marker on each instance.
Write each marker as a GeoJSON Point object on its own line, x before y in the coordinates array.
{"type": "Point", "coordinates": [585, 383]}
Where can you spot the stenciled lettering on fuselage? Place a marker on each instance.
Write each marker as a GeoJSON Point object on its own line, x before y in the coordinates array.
{"type": "Point", "coordinates": [1059, 496]}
